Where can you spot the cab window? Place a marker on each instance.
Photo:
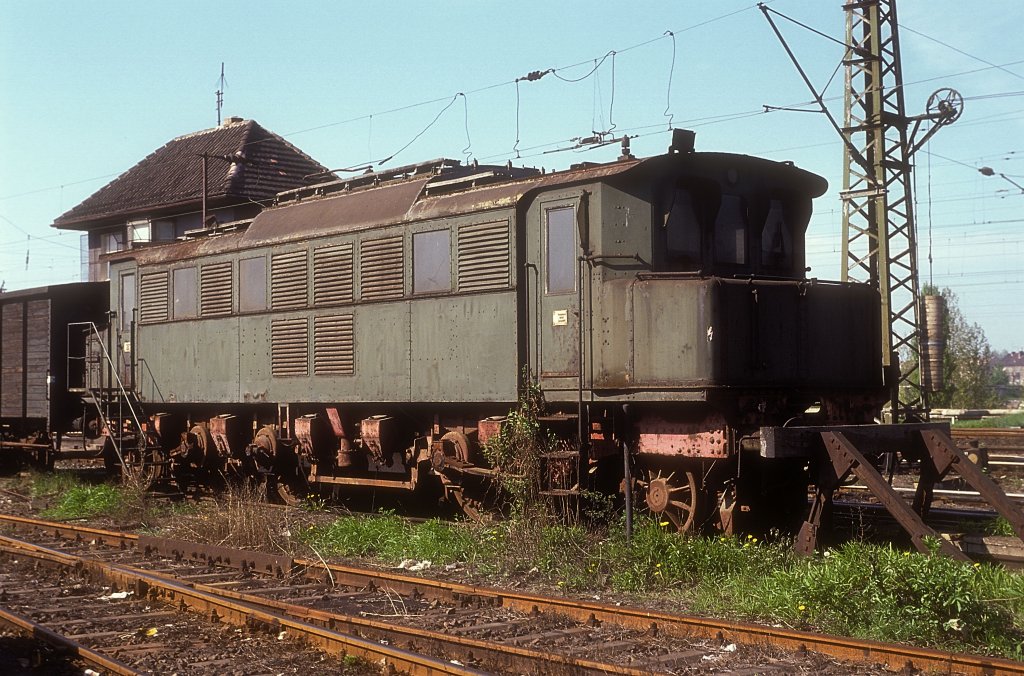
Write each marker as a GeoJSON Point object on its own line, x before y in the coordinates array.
{"type": "Point", "coordinates": [561, 249]}
{"type": "Point", "coordinates": [682, 228]}
{"type": "Point", "coordinates": [777, 238]}
{"type": "Point", "coordinates": [730, 231]}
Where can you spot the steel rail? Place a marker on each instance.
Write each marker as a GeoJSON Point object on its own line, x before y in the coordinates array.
{"type": "Point", "coordinates": [896, 656]}
{"type": "Point", "coordinates": [72, 648]}
{"type": "Point", "coordinates": [995, 438]}
{"type": "Point", "coordinates": [218, 608]}
{"type": "Point", "coordinates": [513, 658]}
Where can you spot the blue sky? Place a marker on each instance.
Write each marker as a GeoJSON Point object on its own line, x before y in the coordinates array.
{"type": "Point", "coordinates": [89, 89]}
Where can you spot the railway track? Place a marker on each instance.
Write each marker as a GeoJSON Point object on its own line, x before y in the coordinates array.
{"type": "Point", "coordinates": [464, 627]}
{"type": "Point", "coordinates": [996, 439]}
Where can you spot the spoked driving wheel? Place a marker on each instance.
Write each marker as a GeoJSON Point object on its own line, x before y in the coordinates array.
{"type": "Point", "coordinates": [143, 462]}
{"type": "Point", "coordinates": [676, 498]}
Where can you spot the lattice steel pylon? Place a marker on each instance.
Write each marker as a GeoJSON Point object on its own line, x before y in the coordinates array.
{"type": "Point", "coordinates": [879, 231]}
{"type": "Point", "coordinates": [879, 141]}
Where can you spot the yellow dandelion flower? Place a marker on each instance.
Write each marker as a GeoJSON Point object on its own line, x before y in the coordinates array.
{"type": "Point", "coordinates": [663, 523]}
{"type": "Point", "coordinates": [801, 607]}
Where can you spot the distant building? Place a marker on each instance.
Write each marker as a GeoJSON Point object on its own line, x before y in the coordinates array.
{"type": "Point", "coordinates": [1012, 365]}
{"type": "Point", "coordinates": [161, 197]}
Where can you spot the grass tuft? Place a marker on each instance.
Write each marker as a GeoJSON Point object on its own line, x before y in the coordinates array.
{"type": "Point", "coordinates": [83, 502]}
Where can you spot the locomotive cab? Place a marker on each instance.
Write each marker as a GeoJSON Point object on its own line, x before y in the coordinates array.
{"type": "Point", "coordinates": [692, 314]}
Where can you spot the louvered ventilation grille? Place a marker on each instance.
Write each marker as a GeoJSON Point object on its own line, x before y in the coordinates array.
{"type": "Point", "coordinates": [333, 346]}
{"type": "Point", "coordinates": [381, 268]}
{"type": "Point", "coordinates": [483, 256]}
{"type": "Point", "coordinates": [153, 297]}
{"type": "Point", "coordinates": [289, 347]}
{"type": "Point", "coordinates": [215, 289]}
{"type": "Point", "coordinates": [288, 287]}
{"type": "Point", "coordinates": [332, 275]}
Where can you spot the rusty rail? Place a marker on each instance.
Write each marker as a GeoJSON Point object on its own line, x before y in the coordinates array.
{"type": "Point", "coordinates": [88, 657]}
{"type": "Point", "coordinates": [221, 608]}
{"type": "Point", "coordinates": [995, 438]}
{"type": "Point", "coordinates": [513, 659]}
{"type": "Point", "coordinates": [895, 656]}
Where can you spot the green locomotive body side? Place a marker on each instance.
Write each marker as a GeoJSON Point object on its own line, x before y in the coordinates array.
{"type": "Point", "coordinates": [399, 294]}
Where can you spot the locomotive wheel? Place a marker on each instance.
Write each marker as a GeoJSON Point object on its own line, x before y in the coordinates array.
{"type": "Point", "coordinates": [290, 483]}
{"type": "Point", "coordinates": [463, 448]}
{"type": "Point", "coordinates": [200, 445]}
{"type": "Point", "coordinates": [286, 481]}
{"type": "Point", "coordinates": [143, 463]}
{"type": "Point", "coordinates": [675, 498]}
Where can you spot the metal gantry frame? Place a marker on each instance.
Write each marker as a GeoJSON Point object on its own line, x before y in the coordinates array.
{"type": "Point", "coordinates": [879, 231]}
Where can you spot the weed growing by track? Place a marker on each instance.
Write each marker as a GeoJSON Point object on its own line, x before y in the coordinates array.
{"type": "Point", "coordinates": [516, 452]}
{"type": "Point", "coordinates": [240, 517]}
{"type": "Point", "coordinates": [858, 589]}
{"type": "Point", "coordinates": [75, 500]}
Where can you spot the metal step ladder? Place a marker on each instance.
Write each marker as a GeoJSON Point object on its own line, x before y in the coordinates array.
{"type": "Point", "coordinates": [97, 380]}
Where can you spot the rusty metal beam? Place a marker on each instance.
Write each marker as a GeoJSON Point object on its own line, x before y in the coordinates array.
{"type": "Point", "coordinates": [804, 442]}
{"type": "Point", "coordinates": [945, 454]}
{"type": "Point", "coordinates": [845, 454]}
{"type": "Point", "coordinates": [274, 565]}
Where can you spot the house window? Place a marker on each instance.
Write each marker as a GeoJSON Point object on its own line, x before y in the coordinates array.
{"type": "Point", "coordinates": [252, 284]}
{"type": "Point", "coordinates": [184, 293]}
{"type": "Point", "coordinates": [112, 241]}
{"type": "Point", "coordinates": [139, 231]}
{"type": "Point", "coordinates": [164, 231]}
{"type": "Point", "coordinates": [431, 262]}
{"type": "Point", "coordinates": [561, 250]}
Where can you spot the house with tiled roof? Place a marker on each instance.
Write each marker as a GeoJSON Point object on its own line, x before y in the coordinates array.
{"type": "Point", "coordinates": [1012, 364]}
{"type": "Point", "coordinates": [200, 180]}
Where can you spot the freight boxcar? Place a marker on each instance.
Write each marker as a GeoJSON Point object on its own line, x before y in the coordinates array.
{"type": "Point", "coordinates": [37, 407]}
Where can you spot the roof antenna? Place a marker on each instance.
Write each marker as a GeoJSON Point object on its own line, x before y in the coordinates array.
{"type": "Point", "coordinates": [220, 92]}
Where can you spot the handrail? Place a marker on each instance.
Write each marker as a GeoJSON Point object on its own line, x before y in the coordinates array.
{"type": "Point", "coordinates": [142, 360]}
{"type": "Point", "coordinates": [95, 333]}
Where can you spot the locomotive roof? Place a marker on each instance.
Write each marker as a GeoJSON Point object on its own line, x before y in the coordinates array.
{"type": "Point", "coordinates": [410, 196]}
